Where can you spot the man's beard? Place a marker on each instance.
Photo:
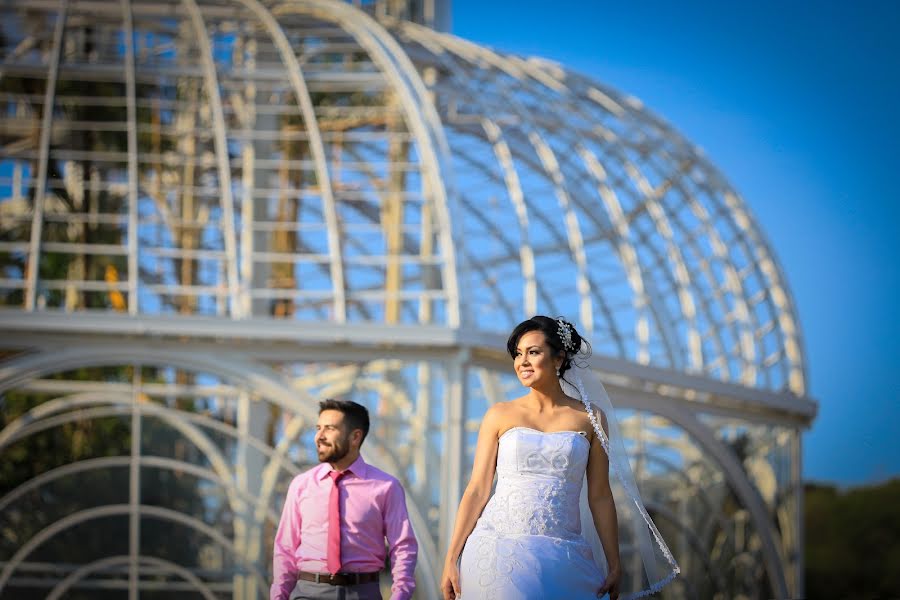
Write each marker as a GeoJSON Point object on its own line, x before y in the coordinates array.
{"type": "Point", "coordinates": [333, 452]}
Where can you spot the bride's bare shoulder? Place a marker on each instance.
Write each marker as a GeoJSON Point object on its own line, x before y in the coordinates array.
{"type": "Point", "coordinates": [505, 409]}
{"type": "Point", "coordinates": [499, 410]}
{"type": "Point", "coordinates": [508, 413]}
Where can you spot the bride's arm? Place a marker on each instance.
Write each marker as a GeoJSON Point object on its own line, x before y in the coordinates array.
{"type": "Point", "coordinates": [603, 507]}
{"type": "Point", "coordinates": [475, 496]}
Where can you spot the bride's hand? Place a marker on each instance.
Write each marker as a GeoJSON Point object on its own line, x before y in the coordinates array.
{"type": "Point", "coordinates": [611, 585]}
{"type": "Point", "coordinates": [450, 582]}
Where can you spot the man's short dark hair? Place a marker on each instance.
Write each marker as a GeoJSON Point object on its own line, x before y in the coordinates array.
{"type": "Point", "coordinates": [356, 416]}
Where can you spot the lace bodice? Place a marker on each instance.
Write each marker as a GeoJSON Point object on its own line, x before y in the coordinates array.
{"type": "Point", "coordinates": [539, 478]}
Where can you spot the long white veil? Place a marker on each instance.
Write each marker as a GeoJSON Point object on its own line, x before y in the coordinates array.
{"type": "Point", "coordinates": [646, 562]}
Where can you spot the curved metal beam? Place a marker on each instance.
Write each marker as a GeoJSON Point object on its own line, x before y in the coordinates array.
{"type": "Point", "coordinates": [517, 198]}
{"type": "Point", "coordinates": [776, 290]}
{"type": "Point", "coordinates": [471, 164]}
{"type": "Point", "coordinates": [221, 144]}
{"type": "Point", "coordinates": [329, 206]}
{"type": "Point", "coordinates": [664, 222]}
{"type": "Point", "coordinates": [576, 242]}
{"type": "Point", "coordinates": [738, 319]}
{"type": "Point", "coordinates": [264, 381]}
{"type": "Point", "coordinates": [734, 473]}
{"type": "Point", "coordinates": [39, 418]}
{"type": "Point", "coordinates": [525, 119]}
{"type": "Point", "coordinates": [99, 565]}
{"type": "Point", "coordinates": [628, 256]}
{"type": "Point", "coordinates": [113, 510]}
{"type": "Point", "coordinates": [510, 179]}
{"type": "Point", "coordinates": [720, 193]}
{"type": "Point", "coordinates": [694, 541]}
{"type": "Point", "coordinates": [35, 420]}
{"type": "Point", "coordinates": [423, 120]}
{"type": "Point", "coordinates": [563, 84]}
{"type": "Point", "coordinates": [124, 461]}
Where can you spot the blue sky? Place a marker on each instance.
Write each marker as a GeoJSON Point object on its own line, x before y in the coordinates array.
{"type": "Point", "coordinates": [797, 104]}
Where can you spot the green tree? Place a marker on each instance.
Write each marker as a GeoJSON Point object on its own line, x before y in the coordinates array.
{"type": "Point", "coordinates": [853, 541]}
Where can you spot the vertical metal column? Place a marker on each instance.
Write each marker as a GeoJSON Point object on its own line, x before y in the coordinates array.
{"type": "Point", "coordinates": [251, 423]}
{"type": "Point", "coordinates": [134, 491]}
{"type": "Point", "coordinates": [249, 119]}
{"type": "Point", "coordinates": [37, 220]}
{"type": "Point", "coordinates": [422, 420]}
{"type": "Point", "coordinates": [799, 590]}
{"type": "Point", "coordinates": [454, 445]}
{"type": "Point", "coordinates": [131, 106]}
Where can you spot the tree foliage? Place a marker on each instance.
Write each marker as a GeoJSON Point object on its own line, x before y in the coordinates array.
{"type": "Point", "coordinates": [853, 541]}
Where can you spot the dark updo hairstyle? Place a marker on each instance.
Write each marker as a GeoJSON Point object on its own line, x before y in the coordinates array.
{"type": "Point", "coordinates": [550, 328]}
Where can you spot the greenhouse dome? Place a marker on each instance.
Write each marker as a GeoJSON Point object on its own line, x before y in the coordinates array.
{"type": "Point", "coordinates": [215, 213]}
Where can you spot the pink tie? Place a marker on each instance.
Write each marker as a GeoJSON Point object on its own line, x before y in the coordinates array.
{"type": "Point", "coordinates": [333, 558]}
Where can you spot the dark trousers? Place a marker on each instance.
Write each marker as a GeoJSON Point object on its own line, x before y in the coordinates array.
{"type": "Point", "coordinates": [310, 590]}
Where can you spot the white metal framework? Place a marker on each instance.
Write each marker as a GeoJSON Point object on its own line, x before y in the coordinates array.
{"type": "Point", "coordinates": [214, 213]}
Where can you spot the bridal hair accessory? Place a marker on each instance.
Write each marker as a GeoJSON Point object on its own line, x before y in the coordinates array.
{"type": "Point", "coordinates": [565, 334]}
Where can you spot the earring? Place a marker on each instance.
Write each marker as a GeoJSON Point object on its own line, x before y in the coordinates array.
{"type": "Point", "coordinates": [557, 372]}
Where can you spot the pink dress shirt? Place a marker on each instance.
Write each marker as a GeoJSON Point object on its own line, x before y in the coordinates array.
{"type": "Point", "coordinates": [373, 507]}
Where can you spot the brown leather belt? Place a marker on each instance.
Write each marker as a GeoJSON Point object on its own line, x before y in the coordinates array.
{"type": "Point", "coordinates": [339, 578]}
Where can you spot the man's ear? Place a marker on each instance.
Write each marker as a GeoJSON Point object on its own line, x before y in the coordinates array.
{"type": "Point", "coordinates": [356, 436]}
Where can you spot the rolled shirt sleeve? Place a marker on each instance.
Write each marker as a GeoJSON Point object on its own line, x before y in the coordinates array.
{"type": "Point", "coordinates": [404, 548]}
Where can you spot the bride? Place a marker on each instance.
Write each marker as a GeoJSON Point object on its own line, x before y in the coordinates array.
{"type": "Point", "coordinates": [528, 541]}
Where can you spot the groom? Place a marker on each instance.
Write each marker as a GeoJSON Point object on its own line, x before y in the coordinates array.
{"type": "Point", "coordinates": [331, 539]}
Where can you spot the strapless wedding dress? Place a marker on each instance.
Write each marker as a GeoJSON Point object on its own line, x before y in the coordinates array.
{"type": "Point", "coordinates": [527, 544]}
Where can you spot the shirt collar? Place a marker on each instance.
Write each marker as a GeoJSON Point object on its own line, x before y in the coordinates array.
{"type": "Point", "coordinates": [359, 468]}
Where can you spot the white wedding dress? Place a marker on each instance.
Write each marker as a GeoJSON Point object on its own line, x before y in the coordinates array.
{"type": "Point", "coordinates": [527, 544]}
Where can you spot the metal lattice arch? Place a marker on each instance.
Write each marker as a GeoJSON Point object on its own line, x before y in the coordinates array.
{"type": "Point", "coordinates": [214, 213]}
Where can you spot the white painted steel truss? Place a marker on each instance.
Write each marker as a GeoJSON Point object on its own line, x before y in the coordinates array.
{"type": "Point", "coordinates": [730, 508]}
{"type": "Point", "coordinates": [241, 207]}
